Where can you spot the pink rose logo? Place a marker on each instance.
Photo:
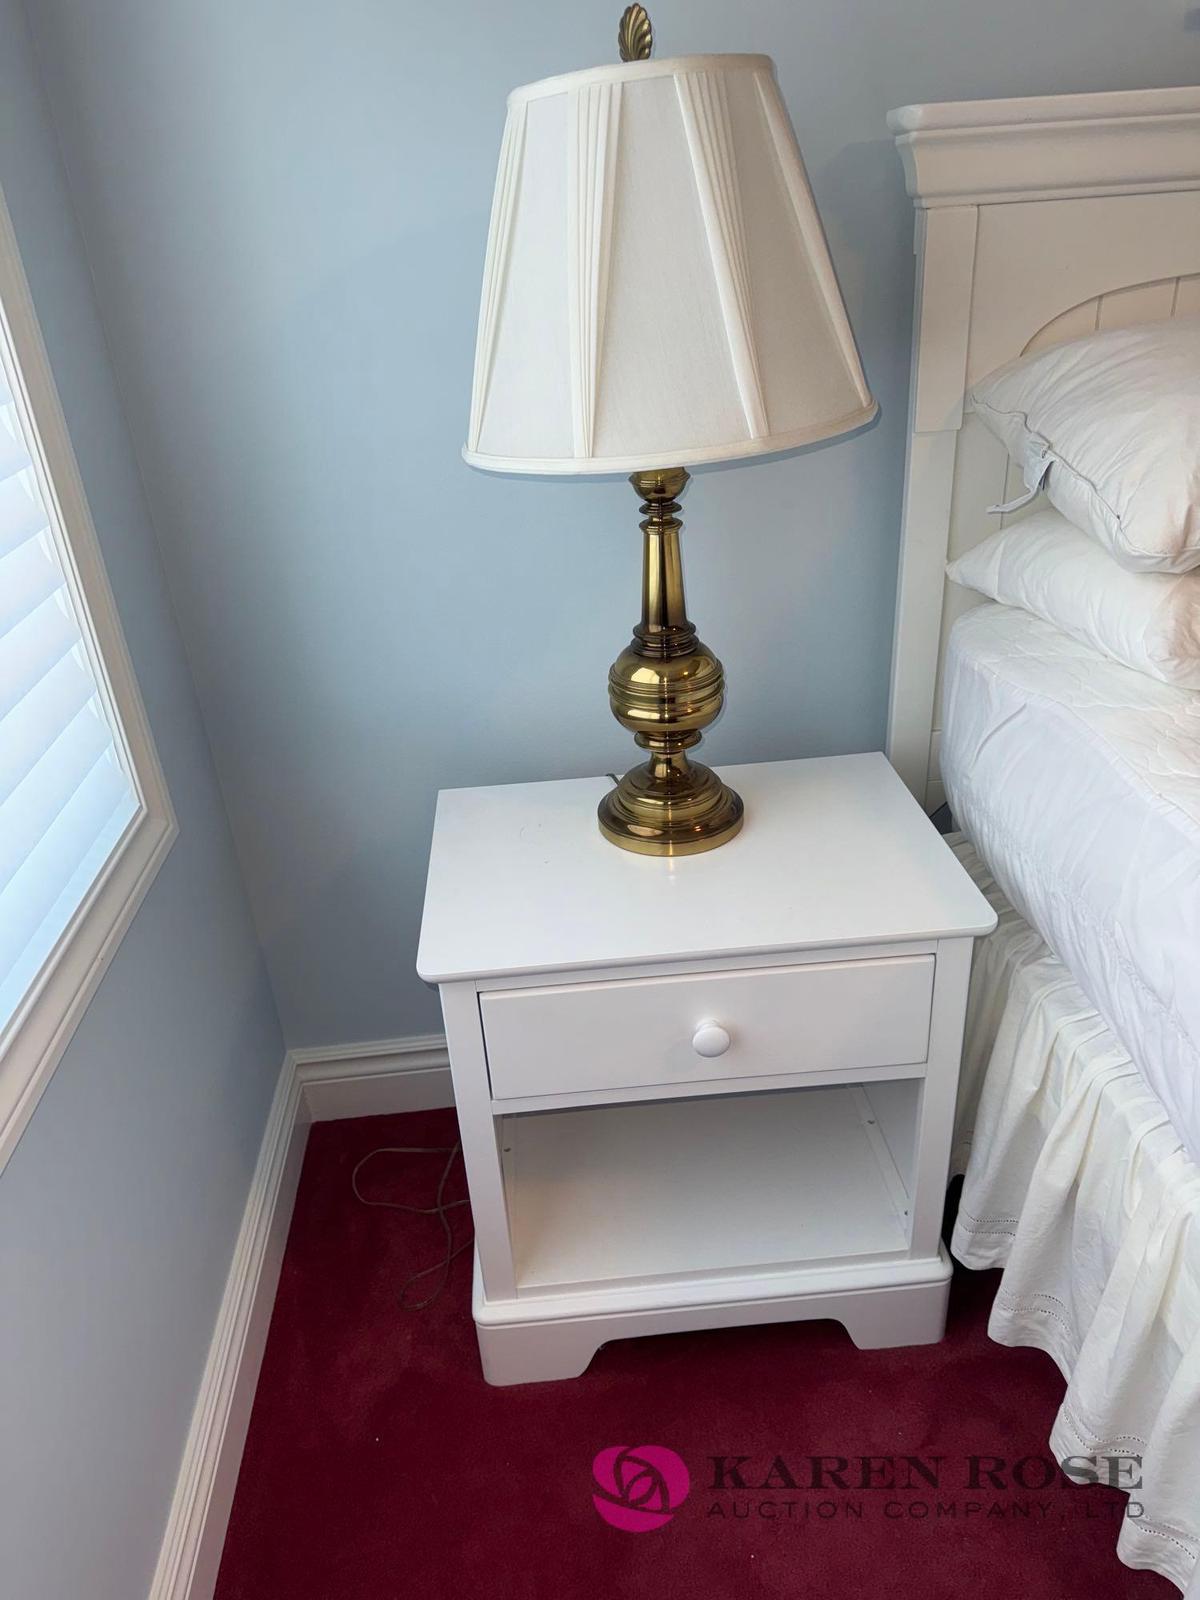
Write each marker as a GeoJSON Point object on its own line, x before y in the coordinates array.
{"type": "Point", "coordinates": [639, 1487]}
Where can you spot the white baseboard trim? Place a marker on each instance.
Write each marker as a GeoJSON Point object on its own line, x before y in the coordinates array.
{"type": "Point", "coordinates": [195, 1532]}
{"type": "Point", "coordinates": [376, 1079]}
{"type": "Point", "coordinates": [316, 1085]}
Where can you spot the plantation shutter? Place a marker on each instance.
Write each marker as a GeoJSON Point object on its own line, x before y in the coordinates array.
{"type": "Point", "coordinates": [66, 794]}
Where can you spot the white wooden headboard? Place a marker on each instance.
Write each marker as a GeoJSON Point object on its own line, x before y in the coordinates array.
{"type": "Point", "coordinates": [1037, 220]}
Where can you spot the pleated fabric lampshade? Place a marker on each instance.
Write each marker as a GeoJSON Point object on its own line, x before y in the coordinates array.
{"type": "Point", "coordinates": [657, 288]}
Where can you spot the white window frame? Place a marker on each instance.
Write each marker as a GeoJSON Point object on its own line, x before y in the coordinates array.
{"type": "Point", "coordinates": [33, 1041]}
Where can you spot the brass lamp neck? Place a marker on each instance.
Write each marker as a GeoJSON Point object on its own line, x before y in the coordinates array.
{"type": "Point", "coordinates": [664, 631]}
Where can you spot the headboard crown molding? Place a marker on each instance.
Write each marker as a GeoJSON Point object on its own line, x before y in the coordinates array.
{"type": "Point", "coordinates": [979, 152]}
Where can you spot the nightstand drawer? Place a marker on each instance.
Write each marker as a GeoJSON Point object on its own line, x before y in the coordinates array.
{"type": "Point", "coordinates": [709, 1026]}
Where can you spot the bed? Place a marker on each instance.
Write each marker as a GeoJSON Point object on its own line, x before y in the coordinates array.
{"type": "Point", "coordinates": [1076, 784]}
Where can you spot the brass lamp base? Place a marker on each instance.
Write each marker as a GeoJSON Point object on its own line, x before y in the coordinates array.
{"type": "Point", "coordinates": [663, 817]}
{"type": "Point", "coordinates": [665, 686]}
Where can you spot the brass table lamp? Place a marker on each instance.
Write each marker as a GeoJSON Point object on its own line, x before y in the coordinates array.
{"type": "Point", "coordinates": [658, 294]}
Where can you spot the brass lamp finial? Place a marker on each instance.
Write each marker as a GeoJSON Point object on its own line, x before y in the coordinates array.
{"type": "Point", "coordinates": [635, 36]}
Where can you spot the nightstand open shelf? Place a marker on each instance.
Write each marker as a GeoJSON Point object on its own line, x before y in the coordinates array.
{"type": "Point", "coordinates": [672, 1189]}
{"type": "Point", "coordinates": [703, 1092]}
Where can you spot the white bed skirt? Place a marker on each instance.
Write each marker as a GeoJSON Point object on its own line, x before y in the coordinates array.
{"type": "Point", "coordinates": [1076, 1183]}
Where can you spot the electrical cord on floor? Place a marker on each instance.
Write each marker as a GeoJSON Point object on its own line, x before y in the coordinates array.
{"type": "Point", "coordinates": [438, 1209]}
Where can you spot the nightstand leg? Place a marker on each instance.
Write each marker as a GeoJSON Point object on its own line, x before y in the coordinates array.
{"type": "Point", "coordinates": [951, 981]}
{"type": "Point", "coordinates": [889, 1318]}
{"type": "Point", "coordinates": [477, 1129]}
{"type": "Point", "coordinates": [540, 1353]}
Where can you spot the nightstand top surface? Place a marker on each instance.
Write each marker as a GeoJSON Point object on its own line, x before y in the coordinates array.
{"type": "Point", "coordinates": [834, 851]}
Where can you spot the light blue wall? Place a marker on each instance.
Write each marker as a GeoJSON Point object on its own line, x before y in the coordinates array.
{"type": "Point", "coordinates": [120, 1205]}
{"type": "Point", "coordinates": [286, 206]}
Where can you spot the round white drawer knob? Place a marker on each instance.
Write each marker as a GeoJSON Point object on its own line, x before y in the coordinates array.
{"type": "Point", "coordinates": [710, 1039]}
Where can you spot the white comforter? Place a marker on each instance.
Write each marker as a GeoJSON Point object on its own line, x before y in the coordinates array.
{"type": "Point", "coordinates": [1079, 782]}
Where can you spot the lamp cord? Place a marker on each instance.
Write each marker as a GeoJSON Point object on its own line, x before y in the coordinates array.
{"type": "Point", "coordinates": [439, 1209]}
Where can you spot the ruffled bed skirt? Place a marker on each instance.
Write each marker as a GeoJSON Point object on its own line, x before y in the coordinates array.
{"type": "Point", "coordinates": [1076, 1183]}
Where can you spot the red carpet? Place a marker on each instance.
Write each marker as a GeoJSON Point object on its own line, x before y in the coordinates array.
{"type": "Point", "coordinates": [379, 1465]}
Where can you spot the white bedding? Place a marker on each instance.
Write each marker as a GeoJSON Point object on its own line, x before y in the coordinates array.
{"type": "Point", "coordinates": [1079, 782]}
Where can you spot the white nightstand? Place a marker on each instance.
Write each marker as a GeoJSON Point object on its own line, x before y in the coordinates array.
{"type": "Point", "coordinates": [702, 1092]}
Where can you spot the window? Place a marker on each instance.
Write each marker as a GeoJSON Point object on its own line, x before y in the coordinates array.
{"type": "Point", "coordinates": [85, 820]}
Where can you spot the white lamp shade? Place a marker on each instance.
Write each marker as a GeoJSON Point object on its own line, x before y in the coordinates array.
{"type": "Point", "coordinates": [657, 290]}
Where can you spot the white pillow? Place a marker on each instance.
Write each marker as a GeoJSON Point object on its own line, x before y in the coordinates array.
{"type": "Point", "coordinates": [1150, 621]}
{"type": "Point", "coordinates": [1111, 424]}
